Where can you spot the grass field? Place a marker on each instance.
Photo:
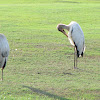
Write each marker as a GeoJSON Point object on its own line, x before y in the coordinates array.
{"type": "Point", "coordinates": [40, 64]}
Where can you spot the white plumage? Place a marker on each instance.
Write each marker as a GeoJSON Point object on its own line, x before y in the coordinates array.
{"type": "Point", "coordinates": [4, 52]}
{"type": "Point", "coordinates": [75, 36]}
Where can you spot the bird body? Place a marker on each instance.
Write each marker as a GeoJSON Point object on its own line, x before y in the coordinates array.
{"type": "Point", "coordinates": [4, 52]}
{"type": "Point", "coordinates": [75, 36]}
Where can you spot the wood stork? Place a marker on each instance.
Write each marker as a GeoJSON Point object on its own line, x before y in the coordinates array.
{"type": "Point", "coordinates": [76, 38]}
{"type": "Point", "coordinates": [4, 52]}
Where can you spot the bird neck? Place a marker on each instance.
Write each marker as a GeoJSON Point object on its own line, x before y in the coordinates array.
{"type": "Point", "coordinates": [65, 26]}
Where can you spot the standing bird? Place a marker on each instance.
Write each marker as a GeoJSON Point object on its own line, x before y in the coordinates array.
{"type": "Point", "coordinates": [4, 52]}
{"type": "Point", "coordinates": [76, 38]}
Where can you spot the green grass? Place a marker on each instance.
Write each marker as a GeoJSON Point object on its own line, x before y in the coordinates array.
{"type": "Point", "coordinates": [40, 64]}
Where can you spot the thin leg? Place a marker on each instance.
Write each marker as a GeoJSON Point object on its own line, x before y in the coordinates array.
{"type": "Point", "coordinates": [74, 57]}
{"type": "Point", "coordinates": [76, 60]}
{"type": "Point", "coordinates": [2, 74]}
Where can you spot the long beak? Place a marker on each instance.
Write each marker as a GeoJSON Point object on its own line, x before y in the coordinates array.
{"type": "Point", "coordinates": [64, 32]}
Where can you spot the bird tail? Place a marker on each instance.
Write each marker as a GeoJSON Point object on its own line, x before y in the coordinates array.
{"type": "Point", "coordinates": [79, 55]}
{"type": "Point", "coordinates": [4, 64]}
{"type": "Point", "coordinates": [83, 50]}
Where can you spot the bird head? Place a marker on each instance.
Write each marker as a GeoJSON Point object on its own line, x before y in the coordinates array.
{"type": "Point", "coordinates": [59, 27]}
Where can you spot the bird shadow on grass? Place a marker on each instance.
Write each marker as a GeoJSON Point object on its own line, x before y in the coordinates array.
{"type": "Point", "coordinates": [38, 91]}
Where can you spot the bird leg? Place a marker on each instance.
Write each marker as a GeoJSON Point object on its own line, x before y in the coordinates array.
{"type": "Point", "coordinates": [2, 75]}
{"type": "Point", "coordinates": [75, 59]}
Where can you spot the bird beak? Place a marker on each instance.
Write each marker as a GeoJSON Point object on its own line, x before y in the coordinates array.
{"type": "Point", "coordinates": [63, 31]}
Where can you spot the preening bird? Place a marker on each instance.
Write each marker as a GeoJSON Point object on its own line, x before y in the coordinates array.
{"type": "Point", "coordinates": [4, 52]}
{"type": "Point", "coordinates": [76, 38]}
